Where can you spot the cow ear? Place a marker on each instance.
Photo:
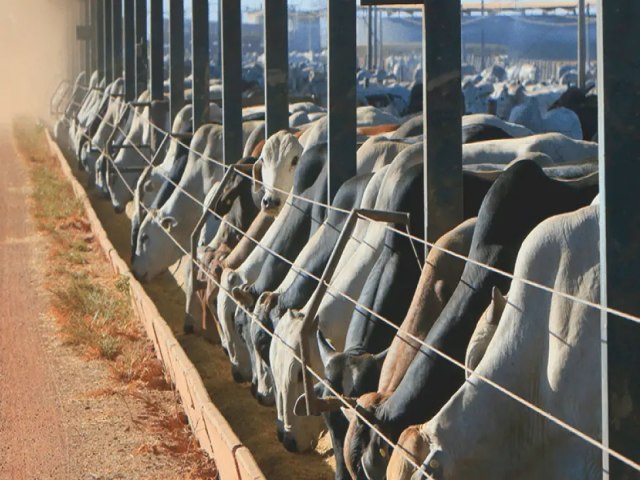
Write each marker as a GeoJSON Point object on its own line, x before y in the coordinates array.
{"type": "Point", "coordinates": [441, 291]}
{"type": "Point", "coordinates": [257, 175]}
{"type": "Point", "coordinates": [499, 302]}
{"type": "Point", "coordinates": [168, 223]}
{"type": "Point", "coordinates": [243, 297]}
{"type": "Point", "coordinates": [326, 349]}
{"type": "Point", "coordinates": [348, 413]}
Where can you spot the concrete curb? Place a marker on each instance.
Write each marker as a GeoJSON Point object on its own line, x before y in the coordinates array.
{"type": "Point", "coordinates": [232, 458]}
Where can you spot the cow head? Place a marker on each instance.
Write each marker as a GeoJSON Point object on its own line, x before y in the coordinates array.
{"type": "Point", "coordinates": [297, 434]}
{"type": "Point", "coordinates": [365, 452]}
{"type": "Point", "coordinates": [259, 344]}
{"type": "Point", "coordinates": [506, 98]}
{"type": "Point", "coordinates": [275, 169]}
{"type": "Point", "coordinates": [414, 444]}
{"type": "Point", "coordinates": [484, 331]}
{"type": "Point", "coordinates": [155, 246]}
{"type": "Point", "coordinates": [352, 372]}
{"type": "Point", "coordinates": [231, 339]}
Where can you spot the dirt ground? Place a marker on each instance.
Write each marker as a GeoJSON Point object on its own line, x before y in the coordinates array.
{"type": "Point", "coordinates": [61, 414]}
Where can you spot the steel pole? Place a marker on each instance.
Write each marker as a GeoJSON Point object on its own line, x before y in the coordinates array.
{"type": "Point", "coordinates": [176, 57]}
{"type": "Point", "coordinates": [200, 61]}
{"type": "Point", "coordinates": [619, 136]}
{"type": "Point", "coordinates": [442, 117]}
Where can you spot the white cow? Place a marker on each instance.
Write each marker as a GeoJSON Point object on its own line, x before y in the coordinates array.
{"type": "Point", "coordinates": [561, 120]}
{"type": "Point", "coordinates": [92, 150]}
{"type": "Point", "coordinates": [128, 159]}
{"type": "Point", "coordinates": [373, 156]}
{"type": "Point", "coordinates": [280, 154]}
{"type": "Point", "coordinates": [546, 349]}
{"type": "Point", "coordinates": [561, 149]}
{"type": "Point", "coordinates": [334, 312]}
{"type": "Point", "coordinates": [177, 217]}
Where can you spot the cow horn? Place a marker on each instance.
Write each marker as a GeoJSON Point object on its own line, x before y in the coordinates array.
{"type": "Point", "coordinates": [257, 175]}
{"type": "Point", "coordinates": [379, 358]}
{"type": "Point", "coordinates": [326, 349]}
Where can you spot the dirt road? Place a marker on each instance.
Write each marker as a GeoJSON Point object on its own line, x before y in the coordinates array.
{"type": "Point", "coordinates": [62, 414]}
{"type": "Point", "coordinates": [33, 443]}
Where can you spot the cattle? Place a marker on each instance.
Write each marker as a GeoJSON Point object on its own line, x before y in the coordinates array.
{"type": "Point", "coordinates": [562, 149]}
{"type": "Point", "coordinates": [541, 342]}
{"type": "Point", "coordinates": [295, 290]}
{"type": "Point", "coordinates": [475, 128]}
{"type": "Point", "coordinates": [520, 199]}
{"type": "Point", "coordinates": [79, 93]}
{"type": "Point", "coordinates": [165, 233]}
{"type": "Point", "coordinates": [350, 275]}
{"type": "Point", "coordinates": [130, 161]}
{"type": "Point", "coordinates": [238, 207]}
{"type": "Point", "coordinates": [586, 108]}
{"type": "Point", "coordinates": [282, 152]}
{"type": "Point", "coordinates": [156, 184]}
{"type": "Point", "coordinates": [104, 174]}
{"type": "Point", "coordinates": [84, 125]}
{"type": "Point", "coordinates": [561, 120]}
{"type": "Point", "coordinates": [510, 96]}
{"type": "Point", "coordinates": [106, 123]}
{"type": "Point", "coordinates": [293, 231]}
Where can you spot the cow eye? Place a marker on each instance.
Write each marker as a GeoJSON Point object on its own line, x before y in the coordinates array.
{"type": "Point", "coordinates": [300, 376]}
{"type": "Point", "coordinates": [294, 162]}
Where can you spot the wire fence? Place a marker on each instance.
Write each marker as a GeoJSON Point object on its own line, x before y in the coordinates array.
{"type": "Point", "coordinates": [327, 283]}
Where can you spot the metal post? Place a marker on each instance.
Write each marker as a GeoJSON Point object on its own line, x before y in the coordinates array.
{"type": "Point", "coordinates": [341, 59]}
{"type": "Point", "coordinates": [156, 51]}
{"type": "Point", "coordinates": [142, 75]}
{"type": "Point", "coordinates": [375, 37]}
{"type": "Point", "coordinates": [88, 42]}
{"type": "Point", "coordinates": [156, 67]}
{"type": "Point", "coordinates": [176, 57]}
{"type": "Point", "coordinates": [129, 50]}
{"type": "Point", "coordinates": [98, 48]}
{"type": "Point", "coordinates": [200, 61]}
{"type": "Point", "coordinates": [582, 72]}
{"type": "Point", "coordinates": [107, 42]}
{"type": "Point", "coordinates": [116, 24]}
{"type": "Point", "coordinates": [442, 117]}
{"type": "Point", "coordinates": [369, 37]}
{"type": "Point", "coordinates": [230, 20]}
{"type": "Point", "coordinates": [380, 42]}
{"type": "Point", "coordinates": [276, 69]}
{"type": "Point", "coordinates": [619, 135]}
{"type": "Point", "coordinates": [482, 42]}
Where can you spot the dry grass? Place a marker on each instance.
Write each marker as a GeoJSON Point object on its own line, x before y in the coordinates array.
{"type": "Point", "coordinates": [93, 310]}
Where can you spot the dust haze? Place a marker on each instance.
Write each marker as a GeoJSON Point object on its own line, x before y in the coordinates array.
{"type": "Point", "coordinates": [36, 37]}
